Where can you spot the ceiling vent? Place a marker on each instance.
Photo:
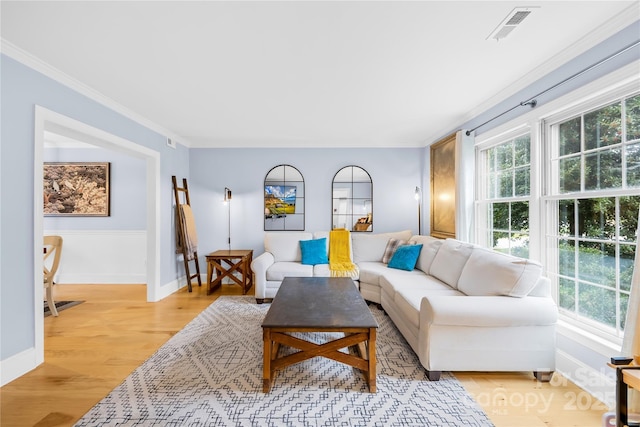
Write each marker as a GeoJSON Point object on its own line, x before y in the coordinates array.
{"type": "Point", "coordinates": [508, 24]}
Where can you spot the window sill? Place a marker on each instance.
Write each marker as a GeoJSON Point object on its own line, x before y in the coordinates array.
{"type": "Point", "coordinates": [590, 340]}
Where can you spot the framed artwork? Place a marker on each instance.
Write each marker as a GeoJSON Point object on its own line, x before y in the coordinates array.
{"type": "Point", "coordinates": [443, 188]}
{"type": "Point", "coordinates": [76, 188]}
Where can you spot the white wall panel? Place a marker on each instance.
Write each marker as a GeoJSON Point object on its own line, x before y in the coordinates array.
{"type": "Point", "coordinates": [102, 257]}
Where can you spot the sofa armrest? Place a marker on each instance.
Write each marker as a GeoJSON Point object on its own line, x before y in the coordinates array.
{"type": "Point", "coordinates": [259, 265]}
{"type": "Point", "coordinates": [487, 311]}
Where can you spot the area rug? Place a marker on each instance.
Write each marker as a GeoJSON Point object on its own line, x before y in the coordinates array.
{"type": "Point", "coordinates": [60, 305]}
{"type": "Point", "coordinates": [210, 374]}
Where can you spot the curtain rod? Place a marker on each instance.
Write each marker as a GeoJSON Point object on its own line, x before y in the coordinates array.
{"type": "Point", "coordinates": [533, 102]}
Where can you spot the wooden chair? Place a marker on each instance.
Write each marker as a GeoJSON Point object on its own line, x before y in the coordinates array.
{"type": "Point", "coordinates": [52, 246]}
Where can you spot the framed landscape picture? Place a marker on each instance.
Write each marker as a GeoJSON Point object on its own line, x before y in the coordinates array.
{"type": "Point", "coordinates": [76, 188]}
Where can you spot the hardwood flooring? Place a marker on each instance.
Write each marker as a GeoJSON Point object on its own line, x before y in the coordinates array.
{"type": "Point", "coordinates": [91, 348]}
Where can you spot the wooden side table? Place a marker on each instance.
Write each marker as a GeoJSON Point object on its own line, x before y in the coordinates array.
{"type": "Point", "coordinates": [225, 262]}
{"type": "Point", "coordinates": [626, 376]}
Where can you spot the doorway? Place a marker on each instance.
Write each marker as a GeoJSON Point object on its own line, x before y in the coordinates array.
{"type": "Point", "coordinates": [47, 120]}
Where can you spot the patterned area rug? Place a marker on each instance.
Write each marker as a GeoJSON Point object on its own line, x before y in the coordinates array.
{"type": "Point", "coordinates": [210, 374]}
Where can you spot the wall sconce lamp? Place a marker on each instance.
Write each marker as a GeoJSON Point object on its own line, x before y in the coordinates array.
{"type": "Point", "coordinates": [418, 195]}
{"type": "Point", "coordinates": [227, 202]}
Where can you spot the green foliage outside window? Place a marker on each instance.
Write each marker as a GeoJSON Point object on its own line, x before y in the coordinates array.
{"type": "Point", "coordinates": [597, 166]}
{"type": "Point", "coordinates": [509, 167]}
{"type": "Point", "coordinates": [597, 235]}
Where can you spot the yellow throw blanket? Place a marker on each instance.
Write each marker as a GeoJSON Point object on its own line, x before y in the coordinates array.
{"type": "Point", "coordinates": [340, 263]}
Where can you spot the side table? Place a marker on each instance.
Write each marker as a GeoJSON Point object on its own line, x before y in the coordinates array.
{"type": "Point", "coordinates": [225, 262]}
{"type": "Point", "coordinates": [626, 376]}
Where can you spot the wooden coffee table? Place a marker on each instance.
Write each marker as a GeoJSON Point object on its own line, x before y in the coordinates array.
{"type": "Point", "coordinates": [319, 304]}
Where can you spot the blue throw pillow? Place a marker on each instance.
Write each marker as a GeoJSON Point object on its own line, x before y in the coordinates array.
{"type": "Point", "coordinates": [405, 257]}
{"type": "Point", "coordinates": [314, 251]}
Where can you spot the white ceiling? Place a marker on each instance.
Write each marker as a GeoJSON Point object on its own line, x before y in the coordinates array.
{"type": "Point", "coordinates": [302, 73]}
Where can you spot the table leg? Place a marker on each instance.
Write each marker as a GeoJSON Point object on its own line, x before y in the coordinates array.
{"type": "Point", "coordinates": [371, 346]}
{"type": "Point", "coordinates": [209, 276]}
{"type": "Point", "coordinates": [621, 397]}
{"type": "Point", "coordinates": [212, 284]}
{"type": "Point", "coordinates": [245, 275]}
{"type": "Point", "coordinates": [266, 364]}
{"type": "Point", "coordinates": [249, 272]}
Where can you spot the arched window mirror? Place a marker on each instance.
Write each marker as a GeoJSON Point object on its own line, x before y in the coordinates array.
{"type": "Point", "coordinates": [283, 199]}
{"type": "Point", "coordinates": [352, 199]}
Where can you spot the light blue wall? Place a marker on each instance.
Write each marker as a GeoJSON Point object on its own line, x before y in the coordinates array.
{"type": "Point", "coordinates": [395, 173]}
{"type": "Point", "coordinates": [127, 190]}
{"type": "Point", "coordinates": [22, 88]}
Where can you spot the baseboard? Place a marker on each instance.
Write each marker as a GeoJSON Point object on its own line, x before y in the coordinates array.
{"type": "Point", "coordinates": [17, 365]}
{"type": "Point", "coordinates": [171, 287]}
{"type": "Point", "coordinates": [598, 386]}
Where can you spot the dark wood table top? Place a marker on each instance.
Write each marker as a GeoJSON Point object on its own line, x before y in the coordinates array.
{"type": "Point", "coordinates": [319, 302]}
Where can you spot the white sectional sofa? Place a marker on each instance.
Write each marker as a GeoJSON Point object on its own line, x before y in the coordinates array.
{"type": "Point", "coordinates": [462, 308]}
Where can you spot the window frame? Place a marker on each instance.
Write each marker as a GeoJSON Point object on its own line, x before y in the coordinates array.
{"type": "Point", "coordinates": [621, 82]}
{"type": "Point", "coordinates": [483, 199]}
{"type": "Point", "coordinates": [553, 196]}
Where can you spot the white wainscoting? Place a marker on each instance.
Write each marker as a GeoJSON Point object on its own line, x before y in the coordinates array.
{"type": "Point", "coordinates": [102, 256]}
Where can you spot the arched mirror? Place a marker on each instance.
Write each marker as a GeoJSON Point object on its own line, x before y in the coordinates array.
{"type": "Point", "coordinates": [283, 199]}
{"type": "Point", "coordinates": [352, 206]}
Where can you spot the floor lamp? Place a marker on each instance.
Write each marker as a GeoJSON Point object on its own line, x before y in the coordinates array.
{"type": "Point", "coordinates": [417, 195]}
{"type": "Point", "coordinates": [227, 201]}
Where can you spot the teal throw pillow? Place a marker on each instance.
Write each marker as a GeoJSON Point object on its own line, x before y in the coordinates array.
{"type": "Point", "coordinates": [405, 257]}
{"type": "Point", "coordinates": [314, 251]}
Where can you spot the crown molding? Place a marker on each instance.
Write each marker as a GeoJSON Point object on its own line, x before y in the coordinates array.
{"type": "Point", "coordinates": [59, 76]}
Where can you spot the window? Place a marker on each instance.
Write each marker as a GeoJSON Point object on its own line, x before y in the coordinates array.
{"type": "Point", "coordinates": [505, 194]}
{"type": "Point", "coordinates": [594, 195]}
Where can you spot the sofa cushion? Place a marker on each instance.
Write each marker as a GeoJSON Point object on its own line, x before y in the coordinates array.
{"type": "Point", "coordinates": [542, 288]}
{"type": "Point", "coordinates": [284, 246]}
{"type": "Point", "coordinates": [314, 251]}
{"type": "Point", "coordinates": [405, 257]}
{"type": "Point", "coordinates": [491, 312]}
{"type": "Point", "coordinates": [394, 280]}
{"type": "Point", "coordinates": [280, 270]}
{"type": "Point", "coordinates": [392, 246]}
{"type": "Point", "coordinates": [430, 246]}
{"type": "Point", "coordinates": [449, 261]}
{"type": "Point", "coordinates": [408, 300]}
{"type": "Point", "coordinates": [323, 270]}
{"type": "Point", "coordinates": [370, 272]}
{"type": "Point", "coordinates": [488, 272]}
{"type": "Point", "coordinates": [370, 247]}
{"type": "Point", "coordinates": [327, 235]}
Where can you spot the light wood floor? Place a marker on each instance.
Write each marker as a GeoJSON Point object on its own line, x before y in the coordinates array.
{"type": "Point", "coordinates": [91, 348]}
